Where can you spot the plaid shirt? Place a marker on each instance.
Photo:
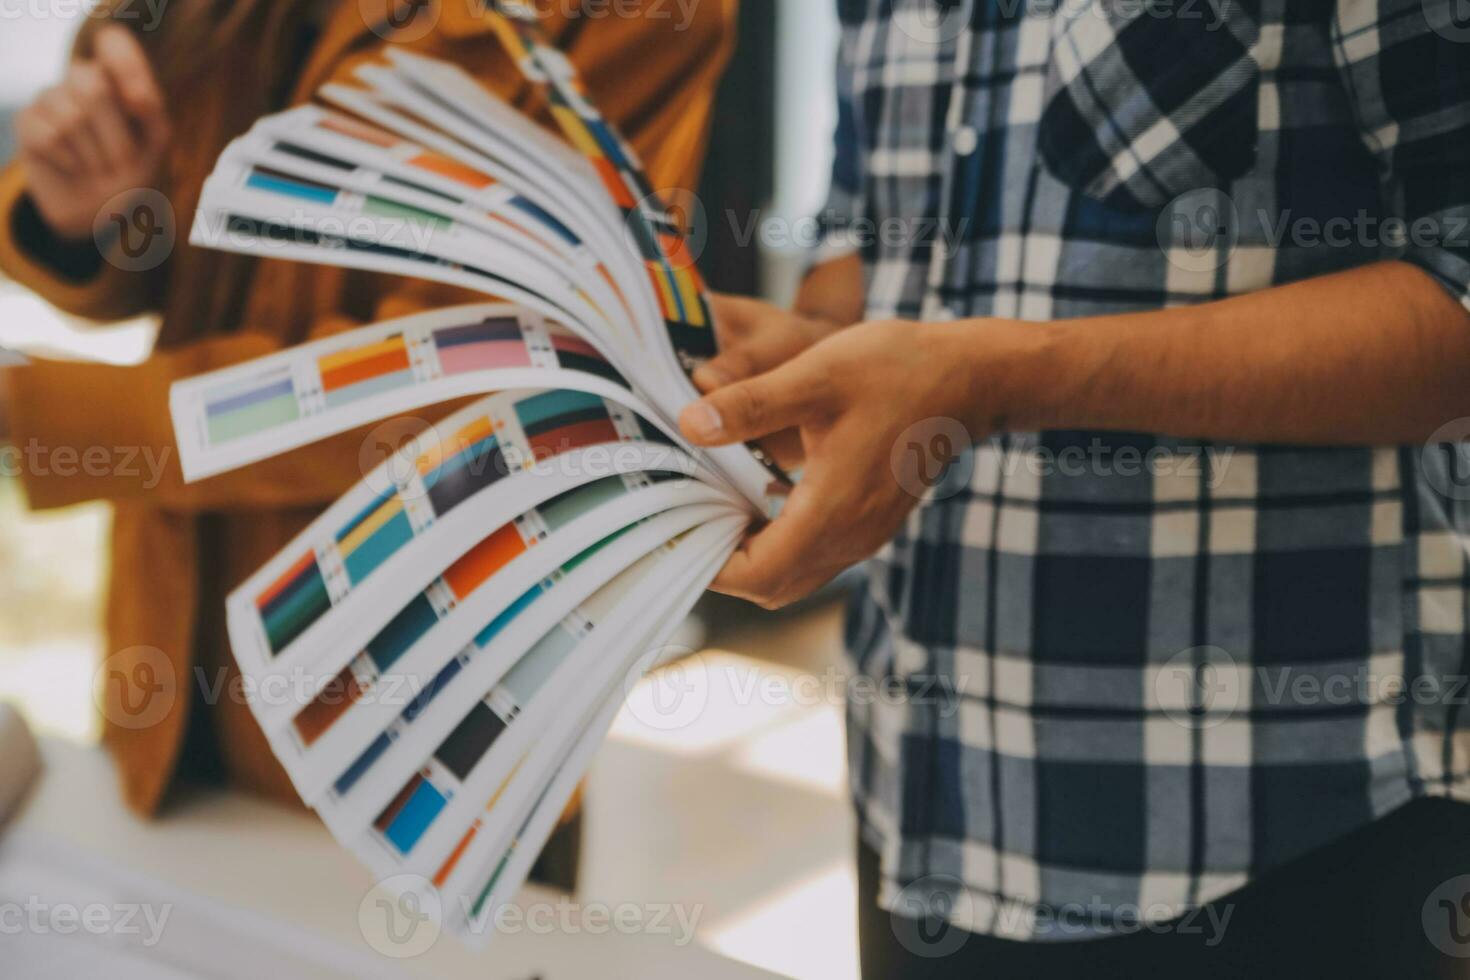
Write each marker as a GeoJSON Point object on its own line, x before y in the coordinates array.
{"type": "Point", "coordinates": [1138, 670]}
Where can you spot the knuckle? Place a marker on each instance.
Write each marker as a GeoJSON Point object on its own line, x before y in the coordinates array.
{"type": "Point", "coordinates": [86, 80]}
{"type": "Point", "coordinates": [733, 323]}
{"type": "Point", "coordinates": [37, 137]}
{"type": "Point", "coordinates": [110, 33]}
{"type": "Point", "coordinates": [750, 405]}
{"type": "Point", "coordinates": [113, 44]}
{"type": "Point", "coordinates": [46, 142]}
{"type": "Point", "coordinates": [65, 116]}
{"type": "Point", "coordinates": [117, 39]}
{"type": "Point", "coordinates": [72, 85]}
{"type": "Point", "coordinates": [46, 102]}
{"type": "Point", "coordinates": [825, 389]}
{"type": "Point", "coordinates": [144, 102]}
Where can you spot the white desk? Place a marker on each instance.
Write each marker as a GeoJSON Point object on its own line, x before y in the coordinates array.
{"type": "Point", "coordinates": [249, 890]}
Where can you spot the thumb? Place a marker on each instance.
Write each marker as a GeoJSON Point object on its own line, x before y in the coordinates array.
{"type": "Point", "coordinates": [756, 407]}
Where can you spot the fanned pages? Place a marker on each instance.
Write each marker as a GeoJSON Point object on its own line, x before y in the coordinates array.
{"type": "Point", "coordinates": [448, 643]}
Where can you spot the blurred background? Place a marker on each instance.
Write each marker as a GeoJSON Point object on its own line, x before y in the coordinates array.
{"type": "Point", "coordinates": [741, 804]}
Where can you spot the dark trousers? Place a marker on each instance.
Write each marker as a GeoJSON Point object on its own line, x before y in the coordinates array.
{"type": "Point", "coordinates": [1381, 902]}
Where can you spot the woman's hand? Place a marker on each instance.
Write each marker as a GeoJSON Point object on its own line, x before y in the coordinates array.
{"type": "Point", "coordinates": [854, 397]}
{"type": "Point", "coordinates": [101, 132]}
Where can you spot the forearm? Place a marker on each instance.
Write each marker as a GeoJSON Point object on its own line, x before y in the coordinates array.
{"type": "Point", "coordinates": [1374, 356]}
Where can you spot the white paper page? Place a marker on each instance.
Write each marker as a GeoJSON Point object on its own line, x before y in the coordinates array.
{"type": "Point", "coordinates": [607, 243]}
{"type": "Point", "coordinates": [326, 594]}
{"type": "Point", "coordinates": [251, 411]}
{"type": "Point", "coordinates": [503, 271]}
{"type": "Point", "coordinates": [524, 232]}
{"type": "Point", "coordinates": [383, 692]}
{"type": "Point", "coordinates": [351, 818]}
{"type": "Point", "coordinates": [477, 869]}
{"type": "Point", "coordinates": [553, 700]}
{"type": "Point", "coordinates": [491, 645]}
{"type": "Point", "coordinates": [487, 124]}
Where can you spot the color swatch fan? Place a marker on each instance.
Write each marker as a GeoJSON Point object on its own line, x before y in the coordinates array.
{"type": "Point", "coordinates": [459, 629]}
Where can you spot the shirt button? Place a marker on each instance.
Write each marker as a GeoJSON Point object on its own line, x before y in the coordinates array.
{"type": "Point", "coordinates": [966, 140]}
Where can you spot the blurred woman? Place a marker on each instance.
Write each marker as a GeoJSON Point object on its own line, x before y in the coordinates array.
{"type": "Point", "coordinates": [146, 111]}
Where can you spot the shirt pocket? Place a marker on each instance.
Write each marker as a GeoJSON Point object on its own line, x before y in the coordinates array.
{"type": "Point", "coordinates": [1143, 105]}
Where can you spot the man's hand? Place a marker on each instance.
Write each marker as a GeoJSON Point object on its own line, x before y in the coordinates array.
{"type": "Point", "coordinates": [99, 133]}
{"type": "Point", "coordinates": [851, 397]}
{"type": "Point", "coordinates": [756, 337]}
{"type": "Point", "coordinates": [1325, 361]}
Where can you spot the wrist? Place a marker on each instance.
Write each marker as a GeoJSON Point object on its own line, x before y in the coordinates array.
{"type": "Point", "coordinates": [1003, 373]}
{"type": "Point", "coordinates": [74, 258]}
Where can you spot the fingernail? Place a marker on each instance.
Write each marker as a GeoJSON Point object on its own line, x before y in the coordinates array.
{"type": "Point", "coordinates": [702, 421]}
